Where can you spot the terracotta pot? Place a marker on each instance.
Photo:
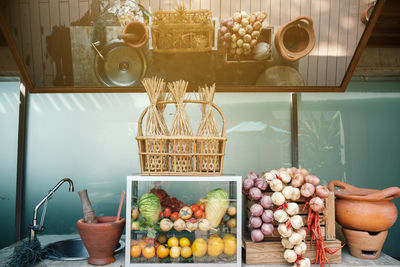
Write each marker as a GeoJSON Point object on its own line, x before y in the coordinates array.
{"type": "Point", "coordinates": [364, 209]}
{"type": "Point", "coordinates": [365, 245]}
{"type": "Point", "coordinates": [101, 239]}
{"type": "Point", "coordinates": [135, 34]}
{"type": "Point", "coordinates": [295, 39]}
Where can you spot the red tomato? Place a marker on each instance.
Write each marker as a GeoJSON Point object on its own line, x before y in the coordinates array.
{"type": "Point", "coordinates": [157, 244]}
{"type": "Point", "coordinates": [198, 213]}
{"type": "Point", "coordinates": [203, 207]}
{"type": "Point", "coordinates": [195, 208]}
{"type": "Point", "coordinates": [204, 215]}
{"type": "Point", "coordinates": [167, 212]}
{"type": "Point", "coordinates": [175, 216]}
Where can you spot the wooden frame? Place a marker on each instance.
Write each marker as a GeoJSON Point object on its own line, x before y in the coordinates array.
{"type": "Point", "coordinates": [222, 89]}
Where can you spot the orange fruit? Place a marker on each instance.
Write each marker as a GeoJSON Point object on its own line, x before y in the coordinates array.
{"type": "Point", "coordinates": [148, 252]}
{"type": "Point", "coordinates": [186, 252]}
{"type": "Point", "coordinates": [136, 250]}
{"type": "Point", "coordinates": [173, 242]}
{"type": "Point", "coordinates": [174, 252]}
{"type": "Point", "coordinates": [184, 242]}
{"type": "Point", "coordinates": [162, 252]}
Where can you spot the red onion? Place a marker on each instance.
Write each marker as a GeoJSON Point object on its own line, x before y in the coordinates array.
{"type": "Point", "coordinates": [307, 190]}
{"type": "Point", "coordinates": [248, 183]}
{"type": "Point", "coordinates": [304, 172]}
{"type": "Point", "coordinates": [257, 235]}
{"type": "Point", "coordinates": [316, 204]}
{"type": "Point", "coordinates": [223, 30]}
{"type": "Point", "coordinates": [312, 179]}
{"type": "Point", "coordinates": [255, 222]}
{"type": "Point", "coordinates": [256, 210]}
{"type": "Point", "coordinates": [267, 216]}
{"type": "Point", "coordinates": [255, 193]}
{"type": "Point", "coordinates": [298, 180]}
{"type": "Point", "coordinates": [229, 23]}
{"type": "Point", "coordinates": [322, 191]}
{"type": "Point", "coordinates": [244, 191]}
{"type": "Point", "coordinates": [267, 228]}
{"type": "Point", "coordinates": [252, 175]}
{"type": "Point", "coordinates": [227, 36]}
{"type": "Point", "coordinates": [261, 183]}
{"type": "Point", "coordinates": [266, 202]}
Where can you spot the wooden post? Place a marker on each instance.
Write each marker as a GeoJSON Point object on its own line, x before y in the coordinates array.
{"type": "Point", "coordinates": [330, 217]}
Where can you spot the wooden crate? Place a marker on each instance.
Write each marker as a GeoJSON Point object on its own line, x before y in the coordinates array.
{"type": "Point", "coordinates": [327, 218]}
{"type": "Point", "coordinates": [271, 252]}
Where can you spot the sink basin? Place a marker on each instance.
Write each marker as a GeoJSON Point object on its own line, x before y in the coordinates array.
{"type": "Point", "coordinates": [73, 250]}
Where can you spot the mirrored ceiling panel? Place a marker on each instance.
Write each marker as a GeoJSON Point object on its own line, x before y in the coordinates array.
{"type": "Point", "coordinates": [101, 43]}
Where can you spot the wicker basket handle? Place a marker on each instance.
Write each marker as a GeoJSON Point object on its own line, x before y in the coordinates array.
{"type": "Point", "coordinates": [223, 132]}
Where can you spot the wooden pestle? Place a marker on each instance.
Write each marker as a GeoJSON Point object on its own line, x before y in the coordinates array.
{"type": "Point", "coordinates": [88, 213]}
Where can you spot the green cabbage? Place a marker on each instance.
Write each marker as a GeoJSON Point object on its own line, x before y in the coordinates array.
{"type": "Point", "coordinates": [216, 206]}
{"type": "Point", "coordinates": [150, 207]}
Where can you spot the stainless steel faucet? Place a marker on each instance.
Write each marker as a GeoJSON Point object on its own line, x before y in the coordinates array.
{"type": "Point", "coordinates": [35, 227]}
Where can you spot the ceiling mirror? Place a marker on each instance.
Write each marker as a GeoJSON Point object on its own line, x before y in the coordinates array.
{"type": "Point", "coordinates": [240, 45]}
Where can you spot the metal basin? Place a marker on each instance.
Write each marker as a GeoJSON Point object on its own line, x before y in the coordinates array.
{"type": "Point", "coordinates": [73, 250]}
{"type": "Point", "coordinates": [121, 65]}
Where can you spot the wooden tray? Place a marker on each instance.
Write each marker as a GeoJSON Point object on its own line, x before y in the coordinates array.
{"type": "Point", "coordinates": [271, 252]}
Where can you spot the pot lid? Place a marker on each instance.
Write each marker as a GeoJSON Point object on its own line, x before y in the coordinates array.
{"type": "Point", "coordinates": [122, 65]}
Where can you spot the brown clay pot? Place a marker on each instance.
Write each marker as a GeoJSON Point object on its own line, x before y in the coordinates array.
{"type": "Point", "coordinates": [101, 239]}
{"type": "Point", "coordinates": [135, 34]}
{"type": "Point", "coordinates": [365, 245]}
{"type": "Point", "coordinates": [296, 38]}
{"type": "Point", "coordinates": [364, 209]}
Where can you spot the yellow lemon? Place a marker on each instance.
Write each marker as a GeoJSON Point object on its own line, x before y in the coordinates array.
{"type": "Point", "coordinates": [174, 252]}
{"type": "Point", "coordinates": [229, 244]}
{"type": "Point", "coordinates": [184, 242]}
{"type": "Point", "coordinates": [186, 252]}
{"type": "Point", "coordinates": [173, 242]}
{"type": "Point", "coordinates": [199, 247]}
{"type": "Point", "coordinates": [215, 245]}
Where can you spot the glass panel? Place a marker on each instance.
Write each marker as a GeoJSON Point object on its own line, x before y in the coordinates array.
{"type": "Point", "coordinates": [353, 137]}
{"type": "Point", "coordinates": [91, 139]}
{"type": "Point", "coordinates": [9, 113]}
{"type": "Point", "coordinates": [267, 43]}
{"type": "Point", "coordinates": [193, 242]}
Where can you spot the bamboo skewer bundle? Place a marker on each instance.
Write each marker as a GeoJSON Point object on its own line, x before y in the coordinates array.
{"type": "Point", "coordinates": [155, 126]}
{"type": "Point", "coordinates": [180, 127]}
{"type": "Point", "coordinates": [208, 128]}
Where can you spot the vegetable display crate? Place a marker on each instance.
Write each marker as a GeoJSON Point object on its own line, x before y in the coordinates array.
{"type": "Point", "coordinates": [266, 36]}
{"type": "Point", "coordinates": [209, 208]}
{"type": "Point", "coordinates": [270, 251]}
{"type": "Point", "coordinates": [327, 218]}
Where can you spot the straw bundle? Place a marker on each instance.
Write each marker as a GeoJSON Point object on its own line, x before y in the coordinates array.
{"type": "Point", "coordinates": [155, 126]}
{"type": "Point", "coordinates": [180, 127]}
{"type": "Point", "coordinates": [208, 128]}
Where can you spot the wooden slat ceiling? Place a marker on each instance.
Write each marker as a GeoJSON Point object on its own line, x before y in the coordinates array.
{"type": "Point", "coordinates": [386, 32]}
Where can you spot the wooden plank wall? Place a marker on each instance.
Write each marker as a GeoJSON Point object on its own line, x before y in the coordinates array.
{"type": "Point", "coordinates": [336, 23]}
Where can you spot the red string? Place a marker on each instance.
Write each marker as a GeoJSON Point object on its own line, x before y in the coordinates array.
{"type": "Point", "coordinates": [284, 206]}
{"type": "Point", "coordinates": [299, 257]}
{"type": "Point", "coordinates": [278, 177]}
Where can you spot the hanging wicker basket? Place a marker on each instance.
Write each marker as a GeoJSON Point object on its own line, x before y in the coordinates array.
{"type": "Point", "coordinates": [202, 156]}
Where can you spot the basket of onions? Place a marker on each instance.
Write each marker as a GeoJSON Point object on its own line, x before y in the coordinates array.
{"type": "Point", "coordinates": [245, 38]}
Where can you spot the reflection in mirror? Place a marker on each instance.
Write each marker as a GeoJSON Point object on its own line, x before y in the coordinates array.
{"type": "Point", "coordinates": [95, 43]}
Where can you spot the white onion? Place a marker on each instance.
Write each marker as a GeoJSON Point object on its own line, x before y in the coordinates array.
{"type": "Point", "coordinates": [300, 249]}
{"type": "Point", "coordinates": [305, 262]}
{"type": "Point", "coordinates": [278, 198]}
{"type": "Point", "coordinates": [295, 194]}
{"type": "Point", "coordinates": [286, 244]}
{"type": "Point", "coordinates": [295, 238]}
{"type": "Point", "coordinates": [288, 191]}
{"type": "Point", "coordinates": [307, 190]}
{"type": "Point", "coordinates": [322, 191]}
{"type": "Point", "coordinates": [317, 204]}
{"type": "Point", "coordinates": [290, 256]}
{"type": "Point", "coordinates": [268, 176]}
{"type": "Point", "coordinates": [312, 179]}
{"type": "Point", "coordinates": [284, 231]}
{"type": "Point", "coordinates": [296, 222]}
{"type": "Point", "coordinates": [302, 233]}
{"type": "Point", "coordinates": [281, 216]}
{"type": "Point", "coordinates": [292, 208]}
{"type": "Point", "coordinates": [285, 177]}
{"type": "Point", "coordinates": [276, 185]}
